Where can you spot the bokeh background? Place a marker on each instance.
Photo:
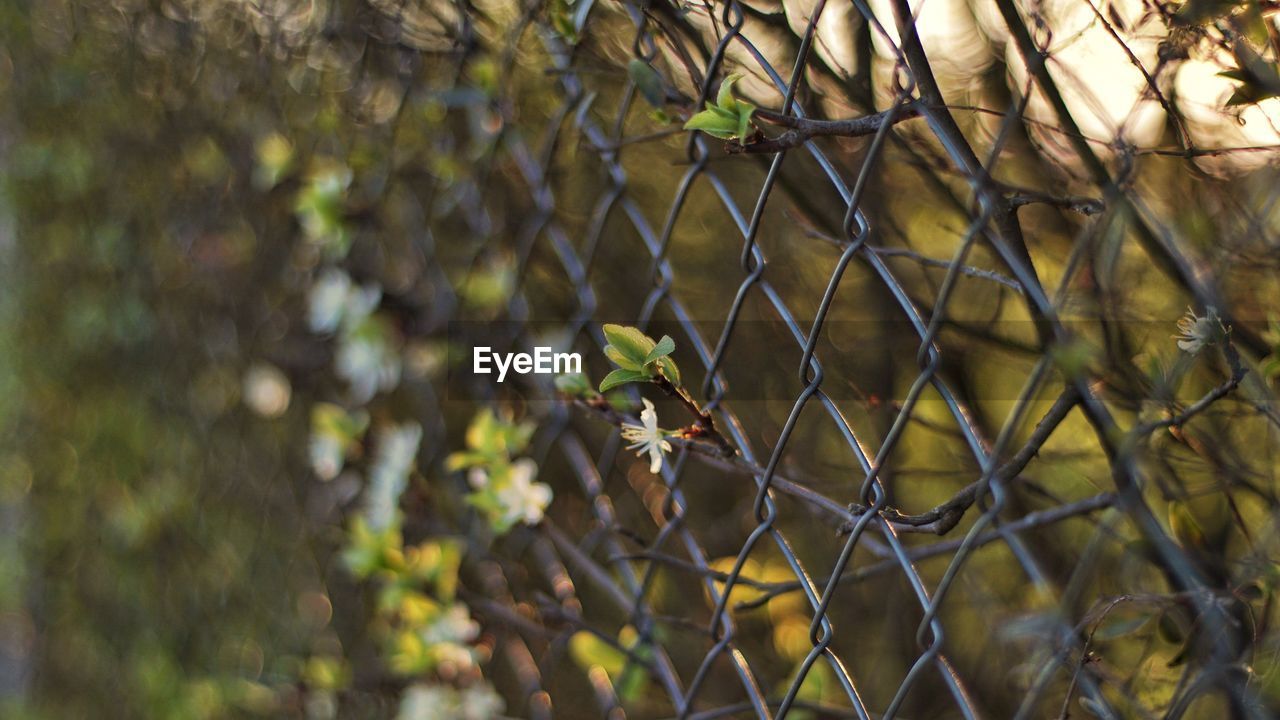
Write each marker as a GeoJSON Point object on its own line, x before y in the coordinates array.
{"type": "Point", "coordinates": [245, 248]}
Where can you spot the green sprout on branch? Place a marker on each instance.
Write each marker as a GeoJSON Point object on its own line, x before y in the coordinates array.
{"type": "Point", "coordinates": [638, 357]}
{"type": "Point", "coordinates": [727, 118]}
{"type": "Point", "coordinates": [641, 359]}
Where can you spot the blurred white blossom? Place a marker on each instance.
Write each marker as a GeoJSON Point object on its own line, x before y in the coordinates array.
{"type": "Point", "coordinates": [453, 625]}
{"type": "Point", "coordinates": [442, 702]}
{"type": "Point", "coordinates": [327, 455]}
{"type": "Point", "coordinates": [368, 361]}
{"type": "Point", "coordinates": [335, 301]}
{"type": "Point", "coordinates": [522, 499]}
{"type": "Point", "coordinates": [396, 450]}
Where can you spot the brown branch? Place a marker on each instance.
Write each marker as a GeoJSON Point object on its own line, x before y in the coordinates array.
{"type": "Point", "coordinates": [1238, 371]}
{"type": "Point", "coordinates": [704, 425]}
{"type": "Point", "coordinates": [1083, 205]}
{"type": "Point", "coordinates": [939, 521]}
{"type": "Point", "coordinates": [801, 130]}
{"type": "Point", "coordinates": [1035, 519]}
{"type": "Point", "coordinates": [943, 518]}
{"type": "Point", "coordinates": [711, 455]}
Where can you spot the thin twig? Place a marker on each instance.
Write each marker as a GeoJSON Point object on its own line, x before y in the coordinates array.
{"type": "Point", "coordinates": [804, 129]}
{"type": "Point", "coordinates": [943, 518]}
{"type": "Point", "coordinates": [1026, 522]}
{"type": "Point", "coordinates": [968, 270]}
{"type": "Point", "coordinates": [1238, 371]}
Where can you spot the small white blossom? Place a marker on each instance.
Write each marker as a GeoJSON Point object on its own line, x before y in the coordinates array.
{"type": "Point", "coordinates": [397, 448]}
{"type": "Point", "coordinates": [442, 702]}
{"type": "Point", "coordinates": [327, 301]}
{"type": "Point", "coordinates": [453, 658]}
{"type": "Point", "coordinates": [648, 438]}
{"type": "Point", "coordinates": [335, 301]}
{"type": "Point", "coordinates": [327, 454]}
{"type": "Point", "coordinates": [481, 702]}
{"type": "Point", "coordinates": [522, 499]}
{"type": "Point", "coordinates": [478, 477]}
{"type": "Point", "coordinates": [428, 702]}
{"type": "Point", "coordinates": [368, 363]}
{"type": "Point", "coordinates": [454, 625]}
{"type": "Point", "coordinates": [1195, 332]}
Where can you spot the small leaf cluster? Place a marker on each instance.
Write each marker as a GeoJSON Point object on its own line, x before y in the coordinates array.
{"type": "Point", "coordinates": [727, 118]}
{"type": "Point", "coordinates": [321, 209]}
{"type": "Point", "coordinates": [490, 440]}
{"type": "Point", "coordinates": [335, 437]}
{"type": "Point", "coordinates": [503, 489]}
{"type": "Point", "coordinates": [639, 357]}
{"type": "Point", "coordinates": [422, 625]}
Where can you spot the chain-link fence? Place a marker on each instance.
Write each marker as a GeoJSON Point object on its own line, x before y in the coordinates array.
{"type": "Point", "coordinates": [1048, 486]}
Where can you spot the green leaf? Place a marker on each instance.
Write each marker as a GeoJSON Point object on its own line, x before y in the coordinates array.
{"type": "Point", "coordinates": [648, 82]}
{"type": "Point", "coordinates": [575, 385]}
{"type": "Point", "coordinates": [619, 401]}
{"type": "Point", "coordinates": [664, 347]}
{"type": "Point", "coordinates": [617, 357]}
{"type": "Point", "coordinates": [669, 370]}
{"type": "Point", "coordinates": [724, 98]}
{"type": "Point", "coordinates": [629, 343]}
{"type": "Point", "coordinates": [744, 119]}
{"type": "Point", "coordinates": [713, 124]}
{"type": "Point", "coordinates": [621, 376]}
{"type": "Point", "coordinates": [463, 459]}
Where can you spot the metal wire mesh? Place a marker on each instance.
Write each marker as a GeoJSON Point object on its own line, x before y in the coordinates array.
{"type": "Point", "coordinates": [567, 206]}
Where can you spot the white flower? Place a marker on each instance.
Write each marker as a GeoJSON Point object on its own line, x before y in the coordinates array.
{"type": "Point", "coordinates": [397, 448]}
{"type": "Point", "coordinates": [335, 301]}
{"type": "Point", "coordinates": [327, 453]}
{"type": "Point", "coordinates": [480, 702]}
{"type": "Point", "coordinates": [429, 702]}
{"type": "Point", "coordinates": [453, 658]}
{"type": "Point", "coordinates": [478, 477]}
{"type": "Point", "coordinates": [442, 702]}
{"type": "Point", "coordinates": [522, 499]}
{"type": "Point", "coordinates": [648, 438]}
{"type": "Point", "coordinates": [454, 625]}
{"type": "Point", "coordinates": [368, 363]}
{"type": "Point", "coordinates": [327, 301]}
{"type": "Point", "coordinates": [1196, 332]}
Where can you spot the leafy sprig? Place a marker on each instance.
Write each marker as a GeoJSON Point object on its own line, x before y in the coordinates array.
{"type": "Point", "coordinates": [638, 357]}
{"type": "Point", "coordinates": [727, 118]}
